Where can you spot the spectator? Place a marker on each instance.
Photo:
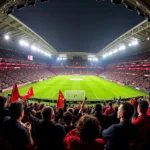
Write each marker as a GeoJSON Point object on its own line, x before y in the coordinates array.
{"type": "Point", "coordinates": [120, 135]}
{"type": "Point", "coordinates": [3, 111]}
{"type": "Point", "coordinates": [48, 133]}
{"type": "Point", "coordinates": [68, 122]}
{"type": "Point", "coordinates": [59, 115]}
{"type": "Point", "coordinates": [113, 117]}
{"type": "Point", "coordinates": [109, 110]}
{"type": "Point", "coordinates": [85, 136]}
{"type": "Point", "coordinates": [143, 125]}
{"type": "Point", "coordinates": [17, 133]}
{"type": "Point", "coordinates": [102, 118]}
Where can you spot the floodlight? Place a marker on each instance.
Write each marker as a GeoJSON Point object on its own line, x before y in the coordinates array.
{"type": "Point", "coordinates": [110, 53]}
{"type": "Point", "coordinates": [6, 37]}
{"type": "Point", "coordinates": [115, 51]}
{"type": "Point", "coordinates": [148, 38]}
{"type": "Point", "coordinates": [42, 51]}
{"type": "Point", "coordinates": [104, 56]}
{"type": "Point", "coordinates": [34, 48]}
{"type": "Point", "coordinates": [96, 59]}
{"type": "Point", "coordinates": [130, 44]}
{"type": "Point", "coordinates": [135, 43]}
{"type": "Point", "coordinates": [24, 43]}
{"type": "Point", "coordinates": [122, 47]}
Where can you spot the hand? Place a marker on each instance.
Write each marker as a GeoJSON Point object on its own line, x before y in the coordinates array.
{"type": "Point", "coordinates": [28, 126]}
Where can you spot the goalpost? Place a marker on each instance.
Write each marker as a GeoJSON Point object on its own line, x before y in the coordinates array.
{"type": "Point", "coordinates": [78, 95]}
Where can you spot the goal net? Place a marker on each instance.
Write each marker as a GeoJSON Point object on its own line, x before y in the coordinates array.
{"type": "Point", "coordinates": [74, 95]}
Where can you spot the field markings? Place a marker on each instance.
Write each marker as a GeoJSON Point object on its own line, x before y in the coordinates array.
{"type": "Point", "coordinates": [53, 94]}
{"type": "Point", "coordinates": [109, 90]}
{"type": "Point", "coordinates": [91, 88]}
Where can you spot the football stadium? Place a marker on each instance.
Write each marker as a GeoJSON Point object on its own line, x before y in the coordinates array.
{"type": "Point", "coordinates": [74, 74]}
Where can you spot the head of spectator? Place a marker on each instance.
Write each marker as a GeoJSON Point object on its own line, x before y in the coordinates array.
{"type": "Point", "coordinates": [70, 110]}
{"type": "Point", "coordinates": [76, 111]}
{"type": "Point", "coordinates": [98, 108]}
{"type": "Point", "coordinates": [3, 102]}
{"type": "Point", "coordinates": [88, 128]}
{"type": "Point", "coordinates": [67, 116]}
{"type": "Point", "coordinates": [16, 110]}
{"type": "Point", "coordinates": [38, 115]}
{"type": "Point", "coordinates": [41, 106]}
{"type": "Point", "coordinates": [142, 107]}
{"type": "Point", "coordinates": [60, 111]}
{"type": "Point", "coordinates": [110, 105]}
{"type": "Point", "coordinates": [48, 114]}
{"type": "Point", "coordinates": [125, 111]}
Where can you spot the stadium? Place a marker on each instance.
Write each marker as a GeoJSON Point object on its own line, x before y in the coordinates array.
{"type": "Point", "coordinates": [86, 90]}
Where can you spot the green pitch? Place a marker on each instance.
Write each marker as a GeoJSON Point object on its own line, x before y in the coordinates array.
{"type": "Point", "coordinates": [95, 88]}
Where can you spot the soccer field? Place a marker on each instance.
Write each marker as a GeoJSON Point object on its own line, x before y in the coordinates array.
{"type": "Point", "coordinates": [95, 88]}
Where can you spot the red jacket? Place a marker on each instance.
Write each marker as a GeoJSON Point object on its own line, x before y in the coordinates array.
{"type": "Point", "coordinates": [148, 111]}
{"type": "Point", "coordinates": [109, 111]}
{"type": "Point", "coordinates": [143, 126]}
{"type": "Point", "coordinates": [72, 141]}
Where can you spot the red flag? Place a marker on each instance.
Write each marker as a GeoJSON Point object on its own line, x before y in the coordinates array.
{"type": "Point", "coordinates": [60, 101]}
{"type": "Point", "coordinates": [29, 94]}
{"type": "Point", "coordinates": [15, 94]}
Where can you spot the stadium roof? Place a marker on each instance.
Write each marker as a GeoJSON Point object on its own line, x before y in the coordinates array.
{"type": "Point", "coordinates": [140, 33]}
{"type": "Point", "coordinates": [17, 30]}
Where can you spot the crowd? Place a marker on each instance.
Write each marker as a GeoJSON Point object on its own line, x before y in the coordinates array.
{"type": "Point", "coordinates": [119, 126]}
{"type": "Point", "coordinates": [131, 78]}
{"type": "Point", "coordinates": [20, 76]}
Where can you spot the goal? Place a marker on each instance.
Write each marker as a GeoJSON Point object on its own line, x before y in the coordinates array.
{"type": "Point", "coordinates": [78, 95]}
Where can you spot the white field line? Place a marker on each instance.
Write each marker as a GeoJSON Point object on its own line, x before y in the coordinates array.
{"type": "Point", "coordinates": [95, 95]}
{"type": "Point", "coordinates": [109, 90]}
{"type": "Point", "coordinates": [53, 94]}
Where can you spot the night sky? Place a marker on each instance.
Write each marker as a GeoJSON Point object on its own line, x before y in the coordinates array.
{"type": "Point", "coordinates": [78, 25]}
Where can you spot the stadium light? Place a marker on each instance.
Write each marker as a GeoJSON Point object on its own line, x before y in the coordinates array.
{"type": "Point", "coordinates": [130, 44]}
{"type": "Point", "coordinates": [95, 59]}
{"type": "Point", "coordinates": [123, 47]}
{"type": "Point", "coordinates": [110, 53]}
{"type": "Point", "coordinates": [34, 48]}
{"type": "Point", "coordinates": [135, 43]}
{"type": "Point", "coordinates": [6, 37]}
{"type": "Point", "coordinates": [24, 43]}
{"type": "Point", "coordinates": [115, 51]}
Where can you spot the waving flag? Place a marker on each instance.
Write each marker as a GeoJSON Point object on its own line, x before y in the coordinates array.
{"type": "Point", "coordinates": [29, 94]}
{"type": "Point", "coordinates": [60, 101]}
{"type": "Point", "coordinates": [15, 94]}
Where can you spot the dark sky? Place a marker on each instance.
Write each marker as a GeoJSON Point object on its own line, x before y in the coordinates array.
{"type": "Point", "coordinates": [78, 25]}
